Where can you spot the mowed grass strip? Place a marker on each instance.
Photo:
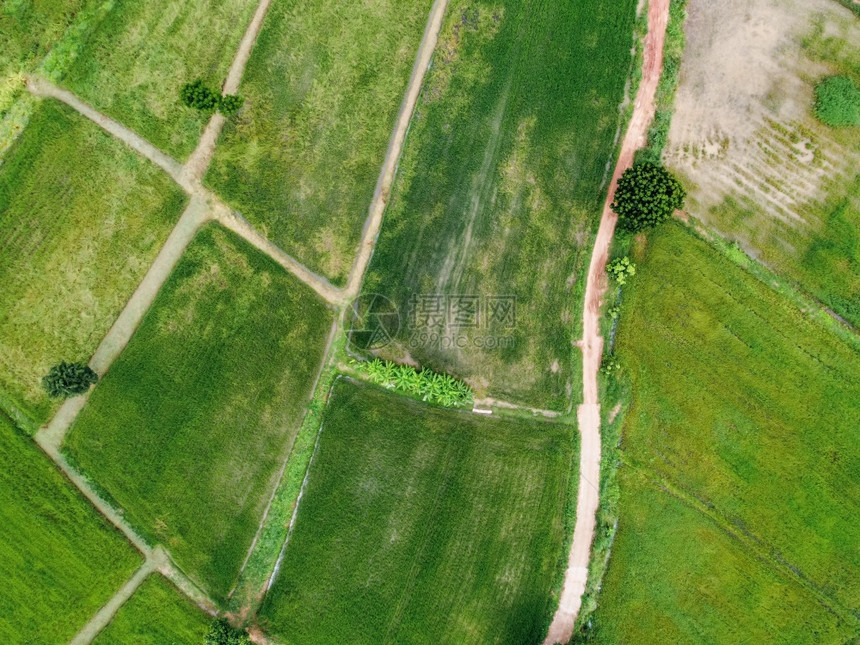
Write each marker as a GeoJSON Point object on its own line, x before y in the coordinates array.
{"type": "Point", "coordinates": [500, 186]}
{"type": "Point", "coordinates": [676, 577]}
{"type": "Point", "coordinates": [189, 429]}
{"type": "Point", "coordinates": [750, 406]}
{"type": "Point", "coordinates": [157, 614]}
{"type": "Point", "coordinates": [60, 560]}
{"type": "Point", "coordinates": [141, 55]}
{"type": "Point", "coordinates": [422, 525]}
{"type": "Point", "coordinates": [81, 219]}
{"type": "Point", "coordinates": [322, 87]}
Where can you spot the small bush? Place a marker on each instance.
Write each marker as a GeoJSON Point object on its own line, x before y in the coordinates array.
{"type": "Point", "coordinates": [223, 633]}
{"type": "Point", "coordinates": [68, 379]}
{"type": "Point", "coordinates": [196, 95]}
{"type": "Point", "coordinates": [837, 101]}
{"type": "Point", "coordinates": [230, 104]}
{"type": "Point", "coordinates": [610, 365]}
{"type": "Point", "coordinates": [620, 269]}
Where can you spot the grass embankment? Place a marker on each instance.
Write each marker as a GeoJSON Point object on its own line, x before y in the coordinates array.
{"type": "Point", "coordinates": [423, 525]}
{"type": "Point", "coordinates": [500, 187]}
{"type": "Point", "coordinates": [140, 56]}
{"type": "Point", "coordinates": [322, 87]}
{"type": "Point", "coordinates": [60, 560]}
{"type": "Point", "coordinates": [189, 429]}
{"type": "Point", "coordinates": [157, 614]}
{"type": "Point", "coordinates": [81, 219]}
{"type": "Point", "coordinates": [739, 489]}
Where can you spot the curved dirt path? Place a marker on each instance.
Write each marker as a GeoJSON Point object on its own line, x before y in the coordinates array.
{"type": "Point", "coordinates": [588, 414]}
{"type": "Point", "coordinates": [395, 147]}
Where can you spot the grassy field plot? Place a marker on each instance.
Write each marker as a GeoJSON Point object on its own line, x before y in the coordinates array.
{"type": "Point", "coordinates": [140, 56]}
{"type": "Point", "coordinates": [157, 614]}
{"type": "Point", "coordinates": [501, 183]}
{"type": "Point", "coordinates": [81, 219]}
{"type": "Point", "coordinates": [422, 525]}
{"type": "Point", "coordinates": [748, 407]}
{"type": "Point", "coordinates": [676, 577]}
{"type": "Point", "coordinates": [323, 87]}
{"type": "Point", "coordinates": [59, 559]}
{"type": "Point", "coordinates": [189, 429]}
{"type": "Point", "coordinates": [758, 165]}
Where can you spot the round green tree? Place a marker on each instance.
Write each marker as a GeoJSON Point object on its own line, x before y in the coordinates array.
{"type": "Point", "coordinates": [837, 101]}
{"type": "Point", "coordinates": [196, 95]}
{"type": "Point", "coordinates": [68, 379]}
{"type": "Point", "coordinates": [223, 633]}
{"type": "Point", "coordinates": [646, 195]}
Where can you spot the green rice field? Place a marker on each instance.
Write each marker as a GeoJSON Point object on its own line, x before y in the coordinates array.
{"type": "Point", "coordinates": [423, 525]}
{"type": "Point", "coordinates": [142, 53]}
{"type": "Point", "coordinates": [157, 614]}
{"type": "Point", "coordinates": [190, 427]}
{"type": "Point", "coordinates": [60, 561]}
{"type": "Point", "coordinates": [500, 187]}
{"type": "Point", "coordinates": [322, 88]}
{"type": "Point", "coordinates": [740, 514]}
{"type": "Point", "coordinates": [81, 219]}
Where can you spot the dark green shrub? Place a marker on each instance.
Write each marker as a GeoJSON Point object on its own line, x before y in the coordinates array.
{"type": "Point", "coordinates": [68, 379]}
{"type": "Point", "coordinates": [223, 633]}
{"type": "Point", "coordinates": [230, 104]}
{"type": "Point", "coordinates": [646, 195]}
{"type": "Point", "coordinates": [196, 95]}
{"type": "Point", "coordinates": [837, 101]}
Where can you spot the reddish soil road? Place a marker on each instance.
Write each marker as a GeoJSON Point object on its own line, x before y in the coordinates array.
{"type": "Point", "coordinates": [588, 414]}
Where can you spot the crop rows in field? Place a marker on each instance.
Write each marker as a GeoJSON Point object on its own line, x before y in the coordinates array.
{"type": "Point", "coordinates": [157, 614]}
{"type": "Point", "coordinates": [189, 429]}
{"type": "Point", "coordinates": [322, 90]}
{"type": "Point", "coordinates": [142, 53]}
{"type": "Point", "coordinates": [423, 525]}
{"type": "Point", "coordinates": [501, 181]}
{"type": "Point", "coordinates": [741, 466]}
{"type": "Point", "coordinates": [60, 561]}
{"type": "Point", "coordinates": [81, 219]}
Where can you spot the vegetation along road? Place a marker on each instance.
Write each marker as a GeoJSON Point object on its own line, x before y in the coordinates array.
{"type": "Point", "coordinates": [588, 414]}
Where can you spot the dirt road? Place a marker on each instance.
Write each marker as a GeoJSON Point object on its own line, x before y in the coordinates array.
{"type": "Point", "coordinates": [588, 414]}
{"type": "Point", "coordinates": [395, 147]}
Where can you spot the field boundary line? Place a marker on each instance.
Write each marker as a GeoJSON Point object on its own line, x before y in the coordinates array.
{"type": "Point", "coordinates": [82, 484]}
{"type": "Point", "coordinates": [588, 413]}
{"type": "Point", "coordinates": [45, 89]}
{"type": "Point", "coordinates": [373, 223]}
{"type": "Point", "coordinates": [195, 215]}
{"type": "Point", "coordinates": [233, 221]}
{"type": "Point", "coordinates": [261, 526]}
{"type": "Point", "coordinates": [198, 161]}
{"type": "Point", "coordinates": [755, 545]}
{"type": "Point", "coordinates": [103, 616]}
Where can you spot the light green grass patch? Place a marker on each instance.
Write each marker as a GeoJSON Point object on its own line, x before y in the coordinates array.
{"type": "Point", "coordinates": [81, 219]}
{"type": "Point", "coordinates": [501, 183]}
{"type": "Point", "coordinates": [189, 429]}
{"type": "Point", "coordinates": [676, 577]}
{"type": "Point", "coordinates": [60, 561]}
{"type": "Point", "coordinates": [322, 89]}
{"type": "Point", "coordinates": [423, 525]}
{"type": "Point", "coordinates": [143, 53]}
{"type": "Point", "coordinates": [747, 405]}
{"type": "Point", "coordinates": [157, 614]}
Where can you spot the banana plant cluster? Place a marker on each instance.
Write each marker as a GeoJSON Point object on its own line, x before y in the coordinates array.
{"type": "Point", "coordinates": [430, 386]}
